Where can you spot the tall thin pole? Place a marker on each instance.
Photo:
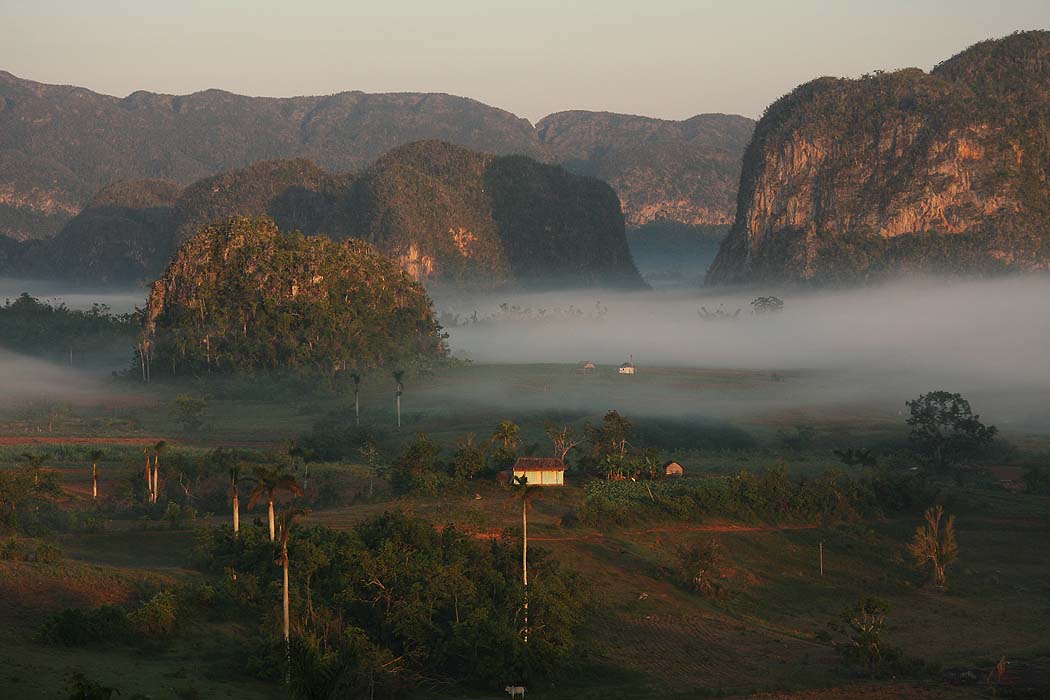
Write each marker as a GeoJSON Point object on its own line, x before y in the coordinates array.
{"type": "Point", "coordinates": [822, 560]}
{"type": "Point", "coordinates": [399, 404]}
{"type": "Point", "coordinates": [357, 406]}
{"type": "Point", "coordinates": [524, 559]}
{"type": "Point", "coordinates": [287, 639]}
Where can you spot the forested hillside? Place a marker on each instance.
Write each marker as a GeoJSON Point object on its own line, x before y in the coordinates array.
{"type": "Point", "coordinates": [59, 145]}
{"type": "Point", "coordinates": [446, 214]}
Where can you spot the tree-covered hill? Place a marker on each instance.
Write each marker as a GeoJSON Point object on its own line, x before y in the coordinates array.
{"type": "Point", "coordinates": [241, 295]}
{"type": "Point", "coordinates": [447, 214]}
{"type": "Point", "coordinates": [61, 144]}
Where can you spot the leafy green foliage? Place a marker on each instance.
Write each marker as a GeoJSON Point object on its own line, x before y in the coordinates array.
{"type": "Point", "coordinates": [771, 496]}
{"type": "Point", "coordinates": [29, 325]}
{"type": "Point", "coordinates": [157, 617]}
{"type": "Point", "coordinates": [395, 602]}
{"type": "Point", "coordinates": [243, 296]}
{"type": "Point", "coordinates": [945, 432]}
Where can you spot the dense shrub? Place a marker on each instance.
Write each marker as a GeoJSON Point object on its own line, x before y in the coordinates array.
{"type": "Point", "coordinates": [771, 496]}
{"type": "Point", "coordinates": [86, 627]}
{"type": "Point", "coordinates": [157, 617]}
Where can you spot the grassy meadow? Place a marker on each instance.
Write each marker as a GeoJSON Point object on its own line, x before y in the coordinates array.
{"type": "Point", "coordinates": [645, 632]}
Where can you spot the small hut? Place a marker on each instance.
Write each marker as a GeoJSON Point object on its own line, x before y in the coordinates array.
{"type": "Point", "coordinates": [587, 367]}
{"type": "Point", "coordinates": [673, 469]}
{"type": "Point", "coordinates": [627, 368]}
{"type": "Point", "coordinates": [540, 471]}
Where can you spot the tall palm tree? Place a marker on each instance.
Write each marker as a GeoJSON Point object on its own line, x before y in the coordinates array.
{"type": "Point", "coordinates": [286, 522]}
{"type": "Point", "coordinates": [96, 457]}
{"type": "Point", "coordinates": [398, 374]}
{"type": "Point", "coordinates": [526, 493]}
{"type": "Point", "coordinates": [297, 456]}
{"type": "Point", "coordinates": [235, 477]}
{"type": "Point", "coordinates": [508, 433]}
{"type": "Point", "coordinates": [161, 446]}
{"type": "Point", "coordinates": [357, 397]}
{"type": "Point", "coordinates": [149, 474]}
{"type": "Point", "coordinates": [268, 481]}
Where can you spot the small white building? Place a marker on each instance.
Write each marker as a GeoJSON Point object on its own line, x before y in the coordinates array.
{"type": "Point", "coordinates": [540, 471]}
{"type": "Point", "coordinates": [626, 368]}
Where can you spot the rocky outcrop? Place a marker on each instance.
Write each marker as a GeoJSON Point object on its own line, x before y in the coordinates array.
{"type": "Point", "coordinates": [907, 171]}
{"type": "Point", "coordinates": [681, 171]}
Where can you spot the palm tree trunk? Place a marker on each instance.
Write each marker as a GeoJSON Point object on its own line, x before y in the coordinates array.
{"type": "Point", "coordinates": [399, 409]}
{"type": "Point", "coordinates": [286, 613]}
{"type": "Point", "coordinates": [94, 481]}
{"type": "Point", "coordinates": [156, 477]}
{"type": "Point", "coordinates": [236, 513]}
{"type": "Point", "coordinates": [149, 481]}
{"type": "Point", "coordinates": [357, 407]}
{"type": "Point", "coordinates": [524, 562]}
{"type": "Point", "coordinates": [271, 520]}
{"type": "Point", "coordinates": [287, 640]}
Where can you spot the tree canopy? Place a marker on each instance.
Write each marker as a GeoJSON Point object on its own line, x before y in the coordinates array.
{"type": "Point", "coordinates": [243, 296]}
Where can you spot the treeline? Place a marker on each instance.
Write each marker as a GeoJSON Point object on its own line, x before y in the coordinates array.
{"type": "Point", "coordinates": [773, 496]}
{"type": "Point", "coordinates": [29, 325]}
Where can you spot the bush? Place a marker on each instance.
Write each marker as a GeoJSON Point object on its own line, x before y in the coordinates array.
{"type": "Point", "coordinates": [699, 566]}
{"type": "Point", "coordinates": [79, 627]}
{"type": "Point", "coordinates": [157, 617]}
{"type": "Point", "coordinates": [83, 689]}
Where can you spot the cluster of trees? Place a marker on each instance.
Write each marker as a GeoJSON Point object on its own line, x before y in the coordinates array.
{"type": "Point", "coordinates": [244, 296]}
{"type": "Point", "coordinates": [29, 325]}
{"type": "Point", "coordinates": [772, 496]}
{"type": "Point", "coordinates": [395, 604]}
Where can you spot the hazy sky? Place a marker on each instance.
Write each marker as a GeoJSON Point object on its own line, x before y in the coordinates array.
{"type": "Point", "coordinates": [666, 58]}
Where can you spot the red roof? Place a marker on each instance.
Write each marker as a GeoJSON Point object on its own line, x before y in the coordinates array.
{"type": "Point", "coordinates": [539, 464]}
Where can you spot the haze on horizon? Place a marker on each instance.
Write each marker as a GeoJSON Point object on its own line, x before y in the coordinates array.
{"type": "Point", "coordinates": [665, 58]}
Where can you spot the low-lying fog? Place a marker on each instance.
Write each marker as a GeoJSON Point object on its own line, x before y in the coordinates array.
{"type": "Point", "coordinates": [75, 298]}
{"type": "Point", "coordinates": [875, 346]}
{"type": "Point", "coordinates": [989, 339]}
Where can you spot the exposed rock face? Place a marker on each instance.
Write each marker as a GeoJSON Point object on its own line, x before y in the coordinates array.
{"type": "Point", "coordinates": [60, 144]}
{"type": "Point", "coordinates": [946, 171]}
{"type": "Point", "coordinates": [685, 171]}
{"type": "Point", "coordinates": [447, 214]}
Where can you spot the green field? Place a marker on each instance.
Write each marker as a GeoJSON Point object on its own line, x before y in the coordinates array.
{"type": "Point", "coordinates": [645, 634]}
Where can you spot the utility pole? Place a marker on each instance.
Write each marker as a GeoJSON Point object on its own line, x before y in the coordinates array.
{"type": "Point", "coordinates": [822, 560]}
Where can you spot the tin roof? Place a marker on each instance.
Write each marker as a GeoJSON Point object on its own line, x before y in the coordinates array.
{"type": "Point", "coordinates": [539, 464]}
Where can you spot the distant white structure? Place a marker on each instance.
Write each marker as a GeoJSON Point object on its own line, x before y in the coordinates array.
{"type": "Point", "coordinates": [627, 367]}
{"type": "Point", "coordinates": [515, 691]}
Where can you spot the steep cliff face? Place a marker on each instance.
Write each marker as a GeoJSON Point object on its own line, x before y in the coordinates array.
{"type": "Point", "coordinates": [447, 214]}
{"type": "Point", "coordinates": [683, 171]}
{"type": "Point", "coordinates": [946, 171]}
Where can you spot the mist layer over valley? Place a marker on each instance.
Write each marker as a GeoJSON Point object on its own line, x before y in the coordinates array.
{"type": "Point", "coordinates": [879, 345]}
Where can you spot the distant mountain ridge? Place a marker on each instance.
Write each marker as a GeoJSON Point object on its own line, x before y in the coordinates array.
{"type": "Point", "coordinates": [59, 145]}
{"type": "Point", "coordinates": [946, 172]}
{"type": "Point", "coordinates": [447, 215]}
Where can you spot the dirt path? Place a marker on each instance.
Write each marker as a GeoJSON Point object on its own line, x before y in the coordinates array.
{"type": "Point", "coordinates": [143, 440]}
{"type": "Point", "coordinates": [598, 536]}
